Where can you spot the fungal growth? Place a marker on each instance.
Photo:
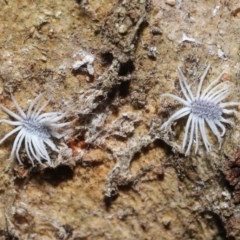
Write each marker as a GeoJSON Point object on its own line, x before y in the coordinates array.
{"type": "Point", "coordinates": [206, 107]}
{"type": "Point", "coordinates": [35, 129]}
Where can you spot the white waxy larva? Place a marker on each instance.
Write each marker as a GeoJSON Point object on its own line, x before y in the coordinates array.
{"type": "Point", "coordinates": [206, 107]}
{"type": "Point", "coordinates": [35, 129]}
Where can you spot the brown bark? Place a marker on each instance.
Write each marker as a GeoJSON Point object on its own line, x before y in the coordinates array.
{"type": "Point", "coordinates": [119, 176]}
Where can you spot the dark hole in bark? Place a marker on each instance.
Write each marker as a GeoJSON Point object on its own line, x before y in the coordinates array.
{"type": "Point", "coordinates": [57, 175]}
{"type": "Point", "coordinates": [107, 58]}
{"type": "Point", "coordinates": [214, 218]}
{"type": "Point", "coordinates": [126, 68]}
{"type": "Point", "coordinates": [124, 88]}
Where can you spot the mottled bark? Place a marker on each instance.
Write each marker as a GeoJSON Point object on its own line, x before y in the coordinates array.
{"type": "Point", "coordinates": [118, 176]}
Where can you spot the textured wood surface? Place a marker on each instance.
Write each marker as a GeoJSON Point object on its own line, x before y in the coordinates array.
{"type": "Point", "coordinates": [118, 176]}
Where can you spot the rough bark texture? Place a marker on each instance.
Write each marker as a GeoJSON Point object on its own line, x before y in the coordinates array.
{"type": "Point", "coordinates": [118, 176]}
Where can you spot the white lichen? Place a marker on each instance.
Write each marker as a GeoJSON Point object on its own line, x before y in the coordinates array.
{"type": "Point", "coordinates": [86, 59]}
